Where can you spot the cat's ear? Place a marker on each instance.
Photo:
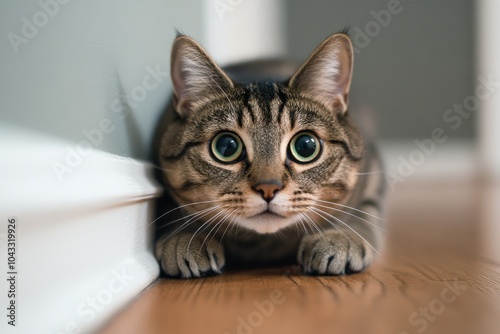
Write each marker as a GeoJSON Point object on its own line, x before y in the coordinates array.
{"type": "Point", "coordinates": [195, 75]}
{"type": "Point", "coordinates": [326, 74]}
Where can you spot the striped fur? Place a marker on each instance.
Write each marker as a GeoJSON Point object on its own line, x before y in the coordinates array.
{"type": "Point", "coordinates": [226, 219]}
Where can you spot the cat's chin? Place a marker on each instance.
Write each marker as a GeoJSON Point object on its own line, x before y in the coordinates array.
{"type": "Point", "coordinates": [266, 222]}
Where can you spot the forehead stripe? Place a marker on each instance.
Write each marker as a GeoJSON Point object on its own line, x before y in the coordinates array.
{"type": "Point", "coordinates": [265, 91]}
{"type": "Point", "coordinates": [293, 117]}
{"type": "Point", "coordinates": [246, 102]}
{"type": "Point", "coordinates": [283, 99]}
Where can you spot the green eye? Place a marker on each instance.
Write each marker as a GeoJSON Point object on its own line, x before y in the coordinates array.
{"type": "Point", "coordinates": [305, 147]}
{"type": "Point", "coordinates": [227, 147]}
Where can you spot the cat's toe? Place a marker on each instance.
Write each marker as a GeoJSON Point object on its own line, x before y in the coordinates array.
{"type": "Point", "coordinates": [198, 258]}
{"type": "Point", "coordinates": [332, 254]}
{"type": "Point", "coordinates": [188, 257]}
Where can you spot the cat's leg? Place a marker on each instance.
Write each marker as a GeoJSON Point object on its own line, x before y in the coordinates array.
{"type": "Point", "coordinates": [186, 256]}
{"type": "Point", "coordinates": [334, 252]}
{"type": "Point", "coordinates": [355, 236]}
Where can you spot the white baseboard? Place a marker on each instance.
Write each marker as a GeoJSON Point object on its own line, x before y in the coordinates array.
{"type": "Point", "coordinates": [84, 243]}
{"type": "Point", "coordinates": [449, 161]}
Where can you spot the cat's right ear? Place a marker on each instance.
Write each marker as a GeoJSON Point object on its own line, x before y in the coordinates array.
{"type": "Point", "coordinates": [195, 76]}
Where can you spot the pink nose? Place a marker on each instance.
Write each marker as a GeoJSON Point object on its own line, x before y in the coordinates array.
{"type": "Point", "coordinates": [268, 189]}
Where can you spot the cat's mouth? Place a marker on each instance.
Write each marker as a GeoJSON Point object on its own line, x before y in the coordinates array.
{"type": "Point", "coordinates": [268, 219]}
{"type": "Point", "coordinates": [267, 214]}
{"type": "Point", "coordinates": [265, 222]}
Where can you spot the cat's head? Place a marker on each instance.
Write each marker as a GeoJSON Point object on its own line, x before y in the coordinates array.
{"type": "Point", "coordinates": [260, 155]}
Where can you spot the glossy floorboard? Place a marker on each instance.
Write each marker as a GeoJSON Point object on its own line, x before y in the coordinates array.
{"type": "Point", "coordinates": [439, 273]}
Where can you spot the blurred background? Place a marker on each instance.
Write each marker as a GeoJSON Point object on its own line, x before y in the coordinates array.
{"type": "Point", "coordinates": [414, 59]}
{"type": "Point", "coordinates": [82, 85]}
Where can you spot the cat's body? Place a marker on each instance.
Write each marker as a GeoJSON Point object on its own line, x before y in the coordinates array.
{"type": "Point", "coordinates": [301, 184]}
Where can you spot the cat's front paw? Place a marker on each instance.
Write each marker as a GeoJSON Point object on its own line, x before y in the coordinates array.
{"type": "Point", "coordinates": [188, 257]}
{"type": "Point", "coordinates": [334, 253]}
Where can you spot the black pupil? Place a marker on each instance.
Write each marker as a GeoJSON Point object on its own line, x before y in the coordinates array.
{"type": "Point", "coordinates": [305, 146]}
{"type": "Point", "coordinates": [226, 146]}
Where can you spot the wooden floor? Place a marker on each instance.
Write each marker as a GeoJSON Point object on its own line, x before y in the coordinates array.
{"type": "Point", "coordinates": [439, 273]}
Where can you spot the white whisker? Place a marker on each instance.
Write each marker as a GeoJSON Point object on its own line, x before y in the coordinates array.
{"type": "Point", "coordinates": [370, 173]}
{"type": "Point", "coordinates": [190, 221]}
{"type": "Point", "coordinates": [346, 225]}
{"type": "Point", "coordinates": [303, 225]}
{"type": "Point", "coordinates": [202, 225]}
{"type": "Point", "coordinates": [180, 207]}
{"type": "Point", "coordinates": [312, 224]}
{"type": "Point", "coordinates": [353, 215]}
{"type": "Point", "coordinates": [349, 207]}
{"type": "Point", "coordinates": [188, 216]}
{"type": "Point", "coordinates": [228, 225]}
{"type": "Point", "coordinates": [217, 225]}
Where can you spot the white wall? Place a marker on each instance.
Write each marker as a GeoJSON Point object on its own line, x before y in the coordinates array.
{"type": "Point", "coordinates": [240, 30]}
{"type": "Point", "coordinates": [83, 208]}
{"type": "Point", "coordinates": [73, 69]}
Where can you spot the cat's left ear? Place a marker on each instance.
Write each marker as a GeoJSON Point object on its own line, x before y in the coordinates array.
{"type": "Point", "coordinates": [326, 74]}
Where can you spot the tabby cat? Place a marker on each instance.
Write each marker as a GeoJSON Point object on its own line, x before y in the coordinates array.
{"type": "Point", "coordinates": [266, 170]}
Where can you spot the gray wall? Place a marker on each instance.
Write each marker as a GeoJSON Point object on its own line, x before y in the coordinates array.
{"type": "Point", "coordinates": [69, 77]}
{"type": "Point", "coordinates": [80, 61]}
{"type": "Point", "coordinates": [417, 66]}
